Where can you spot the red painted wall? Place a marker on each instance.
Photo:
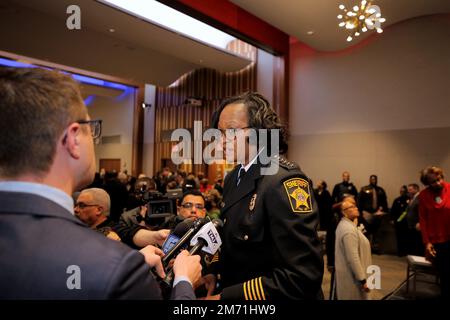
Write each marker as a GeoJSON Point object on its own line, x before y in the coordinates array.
{"type": "Point", "coordinates": [226, 15]}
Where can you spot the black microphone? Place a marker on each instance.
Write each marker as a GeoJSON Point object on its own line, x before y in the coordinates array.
{"type": "Point", "coordinates": [185, 230]}
{"type": "Point", "coordinates": [206, 239]}
{"type": "Point", "coordinates": [180, 229]}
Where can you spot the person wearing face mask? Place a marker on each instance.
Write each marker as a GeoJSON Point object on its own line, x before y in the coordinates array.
{"type": "Point", "coordinates": [434, 216]}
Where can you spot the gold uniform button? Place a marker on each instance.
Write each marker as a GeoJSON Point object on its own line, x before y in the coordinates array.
{"type": "Point", "coordinates": [245, 237]}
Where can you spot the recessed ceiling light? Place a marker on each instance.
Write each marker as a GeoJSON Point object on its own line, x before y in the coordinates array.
{"type": "Point", "coordinates": [310, 32]}
{"type": "Point", "coordinates": [112, 30]}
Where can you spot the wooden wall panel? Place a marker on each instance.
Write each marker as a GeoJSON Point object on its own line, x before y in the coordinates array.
{"type": "Point", "coordinates": [206, 84]}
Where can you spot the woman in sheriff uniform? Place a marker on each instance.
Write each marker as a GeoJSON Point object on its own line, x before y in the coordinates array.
{"type": "Point", "coordinates": [270, 246]}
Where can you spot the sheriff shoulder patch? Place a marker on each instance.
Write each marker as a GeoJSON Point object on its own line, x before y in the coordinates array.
{"type": "Point", "coordinates": [299, 195]}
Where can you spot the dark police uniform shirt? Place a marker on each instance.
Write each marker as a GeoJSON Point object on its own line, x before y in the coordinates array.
{"type": "Point", "coordinates": [270, 245]}
{"type": "Point", "coordinates": [343, 189]}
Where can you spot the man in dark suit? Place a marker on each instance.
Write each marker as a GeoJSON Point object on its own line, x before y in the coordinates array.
{"type": "Point", "coordinates": [372, 203]}
{"type": "Point", "coordinates": [270, 246]}
{"type": "Point", "coordinates": [46, 153]}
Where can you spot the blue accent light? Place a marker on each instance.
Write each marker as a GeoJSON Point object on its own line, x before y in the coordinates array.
{"type": "Point", "coordinates": [14, 64]}
{"type": "Point", "coordinates": [88, 101]}
{"type": "Point", "coordinates": [125, 93]}
{"type": "Point", "coordinates": [86, 80]}
{"type": "Point", "coordinates": [78, 77]}
{"type": "Point", "coordinates": [98, 82]}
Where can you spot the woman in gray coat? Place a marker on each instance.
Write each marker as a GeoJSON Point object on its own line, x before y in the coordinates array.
{"type": "Point", "coordinates": [352, 256]}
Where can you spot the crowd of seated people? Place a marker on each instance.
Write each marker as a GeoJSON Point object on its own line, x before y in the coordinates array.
{"type": "Point", "coordinates": [132, 200]}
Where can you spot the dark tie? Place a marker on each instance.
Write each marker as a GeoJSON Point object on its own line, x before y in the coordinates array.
{"type": "Point", "coordinates": [241, 174]}
{"type": "Point", "coordinates": [374, 199]}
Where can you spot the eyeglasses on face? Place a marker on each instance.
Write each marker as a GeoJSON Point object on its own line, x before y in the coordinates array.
{"type": "Point", "coordinates": [82, 205]}
{"type": "Point", "coordinates": [351, 207]}
{"type": "Point", "coordinates": [189, 205]}
{"type": "Point", "coordinates": [230, 133]}
{"type": "Point", "coordinates": [95, 125]}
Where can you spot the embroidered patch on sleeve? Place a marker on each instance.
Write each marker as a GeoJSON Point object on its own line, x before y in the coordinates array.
{"type": "Point", "coordinates": [299, 195]}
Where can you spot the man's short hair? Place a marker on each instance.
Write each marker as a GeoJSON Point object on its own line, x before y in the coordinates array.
{"type": "Point", "coordinates": [430, 170]}
{"type": "Point", "coordinates": [415, 186]}
{"type": "Point", "coordinates": [193, 192]}
{"type": "Point", "coordinates": [36, 105]}
{"type": "Point", "coordinates": [260, 115]}
{"type": "Point", "coordinates": [101, 198]}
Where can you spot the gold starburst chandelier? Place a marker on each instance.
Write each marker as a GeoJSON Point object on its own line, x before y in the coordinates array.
{"type": "Point", "coordinates": [360, 19]}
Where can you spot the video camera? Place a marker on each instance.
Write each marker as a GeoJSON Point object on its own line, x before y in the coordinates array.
{"type": "Point", "coordinates": [159, 206]}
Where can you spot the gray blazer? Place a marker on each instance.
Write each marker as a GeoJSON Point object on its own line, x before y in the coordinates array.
{"type": "Point", "coordinates": [352, 257]}
{"type": "Point", "coordinates": [41, 242]}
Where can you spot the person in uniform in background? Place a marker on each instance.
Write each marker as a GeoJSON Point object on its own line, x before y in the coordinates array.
{"type": "Point", "coordinates": [343, 189]}
{"type": "Point", "coordinates": [270, 249]}
{"type": "Point", "coordinates": [398, 217]}
{"type": "Point", "coordinates": [325, 204]}
{"type": "Point", "coordinates": [372, 203]}
{"type": "Point", "coordinates": [434, 214]}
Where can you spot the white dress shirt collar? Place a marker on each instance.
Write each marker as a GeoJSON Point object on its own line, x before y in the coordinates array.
{"type": "Point", "coordinates": [42, 190]}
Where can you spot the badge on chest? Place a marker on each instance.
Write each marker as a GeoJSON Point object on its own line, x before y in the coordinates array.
{"type": "Point", "coordinates": [252, 204]}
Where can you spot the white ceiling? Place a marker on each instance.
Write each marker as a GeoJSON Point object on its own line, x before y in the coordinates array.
{"type": "Point", "coordinates": [297, 17]}
{"type": "Point", "coordinates": [137, 50]}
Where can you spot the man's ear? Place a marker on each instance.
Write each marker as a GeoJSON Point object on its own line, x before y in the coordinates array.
{"type": "Point", "coordinates": [71, 140]}
{"type": "Point", "coordinates": [99, 210]}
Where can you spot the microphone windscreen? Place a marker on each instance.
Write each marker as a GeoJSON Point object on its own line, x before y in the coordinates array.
{"type": "Point", "coordinates": [183, 227]}
{"type": "Point", "coordinates": [179, 231]}
{"type": "Point", "coordinates": [217, 223]}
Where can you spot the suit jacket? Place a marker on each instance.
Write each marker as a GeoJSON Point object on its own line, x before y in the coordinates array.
{"type": "Point", "coordinates": [47, 253]}
{"type": "Point", "coordinates": [270, 245]}
{"type": "Point", "coordinates": [365, 199]}
{"type": "Point", "coordinates": [352, 257]}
